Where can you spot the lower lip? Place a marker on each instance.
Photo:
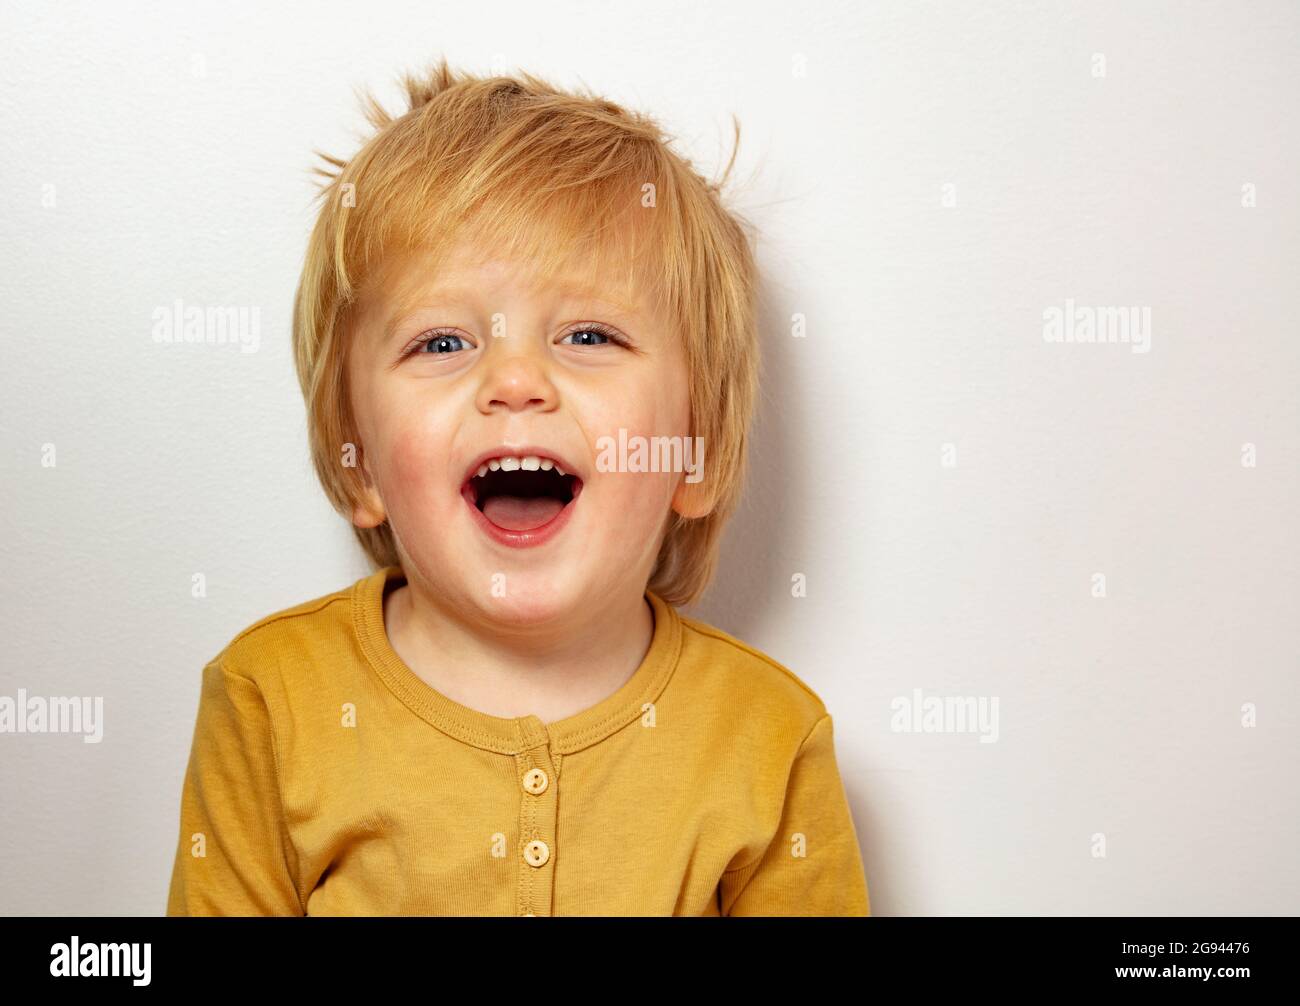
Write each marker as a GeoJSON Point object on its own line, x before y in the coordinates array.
{"type": "Point", "coordinates": [521, 539]}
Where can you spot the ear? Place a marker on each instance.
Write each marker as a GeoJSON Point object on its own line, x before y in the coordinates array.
{"type": "Point", "coordinates": [692, 499]}
{"type": "Point", "coordinates": [369, 510]}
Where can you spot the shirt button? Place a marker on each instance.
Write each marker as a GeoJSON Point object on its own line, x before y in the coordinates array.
{"type": "Point", "coordinates": [536, 852]}
{"type": "Point", "coordinates": [535, 781]}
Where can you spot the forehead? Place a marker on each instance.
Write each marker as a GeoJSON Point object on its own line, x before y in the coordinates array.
{"type": "Point", "coordinates": [467, 273]}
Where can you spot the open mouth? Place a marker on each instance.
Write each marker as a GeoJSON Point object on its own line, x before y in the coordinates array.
{"type": "Point", "coordinates": [521, 494]}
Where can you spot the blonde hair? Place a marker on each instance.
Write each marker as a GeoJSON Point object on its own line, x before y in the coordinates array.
{"type": "Point", "coordinates": [550, 177]}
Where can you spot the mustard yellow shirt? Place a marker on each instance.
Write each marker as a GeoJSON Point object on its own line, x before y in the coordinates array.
{"type": "Point", "coordinates": [326, 778]}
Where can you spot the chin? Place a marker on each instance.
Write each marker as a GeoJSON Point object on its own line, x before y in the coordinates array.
{"type": "Point", "coordinates": [531, 598]}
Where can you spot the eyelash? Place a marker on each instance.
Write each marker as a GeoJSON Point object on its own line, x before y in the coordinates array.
{"type": "Point", "coordinates": [416, 348]}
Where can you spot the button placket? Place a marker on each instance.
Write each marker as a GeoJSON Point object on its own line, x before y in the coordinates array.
{"type": "Point", "coordinates": [537, 813]}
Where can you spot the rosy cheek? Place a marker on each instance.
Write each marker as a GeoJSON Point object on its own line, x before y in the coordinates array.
{"type": "Point", "coordinates": [604, 415]}
{"type": "Point", "coordinates": [413, 458]}
{"type": "Point", "coordinates": [642, 410]}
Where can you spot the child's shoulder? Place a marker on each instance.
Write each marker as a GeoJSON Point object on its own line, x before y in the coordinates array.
{"type": "Point", "coordinates": [752, 683]}
{"type": "Point", "coordinates": [299, 635]}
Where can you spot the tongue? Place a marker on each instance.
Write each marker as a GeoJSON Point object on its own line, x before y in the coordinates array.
{"type": "Point", "coordinates": [521, 513]}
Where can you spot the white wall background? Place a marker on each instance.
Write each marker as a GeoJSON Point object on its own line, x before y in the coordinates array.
{"type": "Point", "coordinates": [1118, 716]}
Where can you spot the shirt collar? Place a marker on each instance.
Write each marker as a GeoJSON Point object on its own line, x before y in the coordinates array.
{"type": "Point", "coordinates": [513, 735]}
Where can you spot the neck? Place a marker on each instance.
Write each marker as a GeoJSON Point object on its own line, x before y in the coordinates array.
{"type": "Point", "coordinates": [551, 671]}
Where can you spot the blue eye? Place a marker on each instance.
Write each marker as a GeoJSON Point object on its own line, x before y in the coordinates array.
{"type": "Point", "coordinates": [436, 342]}
{"type": "Point", "coordinates": [442, 343]}
{"type": "Point", "coordinates": [587, 332]}
{"type": "Point", "coordinates": [599, 332]}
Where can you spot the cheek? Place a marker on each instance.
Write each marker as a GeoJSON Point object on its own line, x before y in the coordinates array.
{"type": "Point", "coordinates": [658, 406]}
{"type": "Point", "coordinates": [673, 400]}
{"type": "Point", "coordinates": [414, 458]}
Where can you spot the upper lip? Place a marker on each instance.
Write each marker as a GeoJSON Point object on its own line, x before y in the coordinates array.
{"type": "Point", "coordinates": [506, 451]}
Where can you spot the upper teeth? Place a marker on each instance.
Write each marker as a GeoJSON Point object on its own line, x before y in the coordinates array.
{"type": "Point", "coordinates": [512, 464]}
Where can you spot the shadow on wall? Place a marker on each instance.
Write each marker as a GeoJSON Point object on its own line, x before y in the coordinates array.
{"type": "Point", "coordinates": [751, 585]}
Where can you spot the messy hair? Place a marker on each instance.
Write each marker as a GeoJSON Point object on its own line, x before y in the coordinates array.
{"type": "Point", "coordinates": [558, 179]}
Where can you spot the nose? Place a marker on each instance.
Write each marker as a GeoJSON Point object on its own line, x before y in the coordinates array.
{"type": "Point", "coordinates": [517, 379]}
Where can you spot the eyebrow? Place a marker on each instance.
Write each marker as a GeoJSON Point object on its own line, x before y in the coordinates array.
{"type": "Point", "coordinates": [570, 292]}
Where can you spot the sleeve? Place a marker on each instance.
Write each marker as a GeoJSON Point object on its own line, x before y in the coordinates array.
{"type": "Point", "coordinates": [234, 856]}
{"type": "Point", "coordinates": [813, 865]}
